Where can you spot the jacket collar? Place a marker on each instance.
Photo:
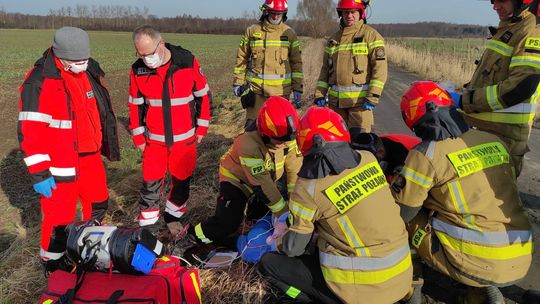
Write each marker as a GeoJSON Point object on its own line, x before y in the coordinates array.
{"type": "Point", "coordinates": [50, 70]}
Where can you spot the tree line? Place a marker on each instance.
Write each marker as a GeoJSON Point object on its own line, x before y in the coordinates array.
{"type": "Point", "coordinates": [315, 18]}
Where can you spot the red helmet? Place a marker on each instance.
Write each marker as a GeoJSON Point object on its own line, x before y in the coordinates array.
{"type": "Point", "coordinates": [351, 4]}
{"type": "Point", "coordinates": [277, 119]}
{"type": "Point", "coordinates": [277, 6]}
{"type": "Point", "coordinates": [323, 122]}
{"type": "Point", "coordinates": [420, 96]}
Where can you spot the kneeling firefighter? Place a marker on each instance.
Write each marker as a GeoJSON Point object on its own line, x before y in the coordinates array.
{"type": "Point", "coordinates": [342, 195]}
{"type": "Point", "coordinates": [259, 159]}
{"type": "Point", "coordinates": [458, 194]}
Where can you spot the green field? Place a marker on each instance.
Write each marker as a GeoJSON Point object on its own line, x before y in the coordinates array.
{"type": "Point", "coordinates": [21, 279]}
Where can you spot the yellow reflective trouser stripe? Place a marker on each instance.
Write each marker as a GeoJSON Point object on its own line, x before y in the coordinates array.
{"type": "Point", "coordinates": [509, 118]}
{"type": "Point", "coordinates": [200, 234]}
{"type": "Point", "coordinates": [486, 252]}
{"type": "Point", "coordinates": [196, 286]}
{"type": "Point", "coordinates": [239, 70]}
{"type": "Point", "coordinates": [352, 237]}
{"type": "Point", "coordinates": [293, 292]}
{"type": "Point", "coordinates": [301, 211]}
{"type": "Point", "coordinates": [376, 84]}
{"type": "Point", "coordinates": [365, 277]}
{"type": "Point", "coordinates": [251, 162]}
{"type": "Point", "coordinates": [351, 95]}
{"type": "Point", "coordinates": [298, 75]}
{"type": "Point", "coordinates": [530, 61]}
{"type": "Point", "coordinates": [290, 187]}
{"type": "Point", "coordinates": [416, 177]}
{"type": "Point", "coordinates": [500, 47]}
{"type": "Point", "coordinates": [229, 174]}
{"type": "Point", "coordinates": [456, 192]}
{"type": "Point", "coordinates": [493, 98]}
{"type": "Point", "coordinates": [322, 84]}
{"type": "Point", "coordinates": [278, 206]}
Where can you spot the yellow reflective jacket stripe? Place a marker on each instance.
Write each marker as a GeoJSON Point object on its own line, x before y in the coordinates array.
{"type": "Point", "coordinates": [456, 193]}
{"type": "Point", "coordinates": [352, 236]}
{"type": "Point", "coordinates": [301, 211]}
{"type": "Point", "coordinates": [416, 177]}
{"type": "Point", "coordinates": [500, 47]}
{"type": "Point", "coordinates": [256, 43]}
{"type": "Point", "coordinates": [530, 61]}
{"type": "Point", "coordinates": [493, 98]}
{"type": "Point", "coordinates": [278, 206]}
{"type": "Point", "coordinates": [486, 252]}
{"type": "Point", "coordinates": [223, 171]}
{"type": "Point", "coordinates": [366, 277]}
{"type": "Point", "coordinates": [376, 44]}
{"type": "Point", "coordinates": [251, 162]}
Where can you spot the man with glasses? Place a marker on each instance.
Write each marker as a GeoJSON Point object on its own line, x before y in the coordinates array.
{"type": "Point", "coordinates": [66, 123]}
{"type": "Point", "coordinates": [169, 103]}
{"type": "Point", "coordinates": [269, 61]}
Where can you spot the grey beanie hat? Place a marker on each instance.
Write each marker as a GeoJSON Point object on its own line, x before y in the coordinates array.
{"type": "Point", "coordinates": [71, 43]}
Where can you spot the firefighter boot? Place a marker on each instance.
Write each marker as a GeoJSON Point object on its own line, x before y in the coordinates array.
{"type": "Point", "coordinates": [481, 295]}
{"type": "Point", "coordinates": [63, 263]}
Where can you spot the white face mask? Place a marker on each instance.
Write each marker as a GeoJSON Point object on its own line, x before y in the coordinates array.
{"type": "Point", "coordinates": [77, 67]}
{"type": "Point", "coordinates": [153, 61]}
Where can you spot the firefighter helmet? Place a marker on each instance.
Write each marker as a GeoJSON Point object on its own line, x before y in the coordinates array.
{"type": "Point", "coordinates": [359, 5]}
{"type": "Point", "coordinates": [277, 119]}
{"type": "Point", "coordinates": [422, 97]}
{"type": "Point", "coordinates": [321, 124]}
{"type": "Point", "coordinates": [519, 6]}
{"type": "Point", "coordinates": [276, 6]}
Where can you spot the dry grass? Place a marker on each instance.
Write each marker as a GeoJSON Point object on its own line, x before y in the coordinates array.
{"type": "Point", "coordinates": [433, 64]}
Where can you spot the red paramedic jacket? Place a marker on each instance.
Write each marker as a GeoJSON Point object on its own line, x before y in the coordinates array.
{"type": "Point", "coordinates": [47, 129]}
{"type": "Point", "coordinates": [170, 108]}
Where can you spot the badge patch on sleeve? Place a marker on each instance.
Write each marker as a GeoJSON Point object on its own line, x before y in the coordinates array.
{"type": "Point", "coordinates": [380, 54]}
{"type": "Point", "coordinates": [532, 43]}
{"type": "Point", "coordinates": [257, 170]}
{"type": "Point", "coordinates": [90, 94]}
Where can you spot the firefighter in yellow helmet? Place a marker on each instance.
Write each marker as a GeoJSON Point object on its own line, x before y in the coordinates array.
{"type": "Point", "coordinates": [502, 96]}
{"type": "Point", "coordinates": [354, 68]}
{"type": "Point", "coordinates": [342, 195]}
{"type": "Point", "coordinates": [258, 160]}
{"type": "Point", "coordinates": [269, 60]}
{"type": "Point", "coordinates": [459, 197]}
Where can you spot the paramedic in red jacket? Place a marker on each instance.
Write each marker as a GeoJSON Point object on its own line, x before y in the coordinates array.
{"type": "Point", "coordinates": [169, 107]}
{"type": "Point", "coordinates": [66, 123]}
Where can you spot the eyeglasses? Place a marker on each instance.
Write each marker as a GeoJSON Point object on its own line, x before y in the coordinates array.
{"type": "Point", "coordinates": [141, 56]}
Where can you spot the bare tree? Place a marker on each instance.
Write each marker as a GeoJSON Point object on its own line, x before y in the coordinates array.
{"type": "Point", "coordinates": [319, 16]}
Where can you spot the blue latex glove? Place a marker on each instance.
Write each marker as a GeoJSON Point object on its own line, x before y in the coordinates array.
{"type": "Point", "coordinates": [456, 97]}
{"type": "Point", "coordinates": [45, 187]}
{"type": "Point", "coordinates": [297, 99]}
{"type": "Point", "coordinates": [321, 102]}
{"type": "Point", "coordinates": [366, 105]}
{"type": "Point", "coordinates": [273, 246]}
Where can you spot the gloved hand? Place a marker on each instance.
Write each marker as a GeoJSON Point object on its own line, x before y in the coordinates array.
{"type": "Point", "coordinates": [297, 99]}
{"type": "Point", "coordinates": [45, 187]}
{"type": "Point", "coordinates": [321, 102]}
{"type": "Point", "coordinates": [366, 105]}
{"type": "Point", "coordinates": [456, 97]}
{"type": "Point", "coordinates": [237, 90]}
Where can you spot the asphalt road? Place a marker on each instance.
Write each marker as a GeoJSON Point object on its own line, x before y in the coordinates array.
{"type": "Point", "coordinates": [438, 289]}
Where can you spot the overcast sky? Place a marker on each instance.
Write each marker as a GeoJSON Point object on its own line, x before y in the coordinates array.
{"type": "Point", "coordinates": [383, 11]}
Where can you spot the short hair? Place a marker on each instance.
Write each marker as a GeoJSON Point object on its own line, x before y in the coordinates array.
{"type": "Point", "coordinates": [147, 30]}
